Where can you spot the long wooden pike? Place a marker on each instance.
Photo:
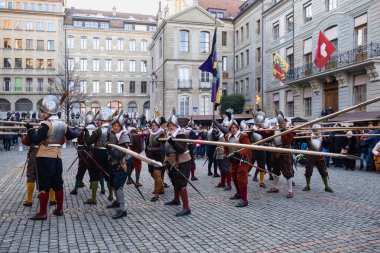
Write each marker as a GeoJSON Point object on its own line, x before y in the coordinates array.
{"type": "Point", "coordinates": [319, 120]}
{"type": "Point", "coordinates": [9, 133]}
{"type": "Point", "coordinates": [18, 123]}
{"type": "Point", "coordinates": [266, 148]}
{"type": "Point", "coordinates": [13, 127]}
{"type": "Point", "coordinates": [149, 161]}
{"type": "Point", "coordinates": [336, 135]}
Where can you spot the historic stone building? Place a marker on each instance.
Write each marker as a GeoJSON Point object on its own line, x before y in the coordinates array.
{"type": "Point", "coordinates": [31, 48]}
{"type": "Point", "coordinates": [180, 45]}
{"type": "Point", "coordinates": [352, 73]}
{"type": "Point", "coordinates": [110, 49]}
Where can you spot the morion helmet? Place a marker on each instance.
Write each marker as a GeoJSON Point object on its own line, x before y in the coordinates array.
{"type": "Point", "coordinates": [119, 118]}
{"type": "Point", "coordinates": [172, 118]}
{"type": "Point", "coordinates": [50, 104]}
{"type": "Point", "coordinates": [259, 117]}
{"type": "Point", "coordinates": [280, 117]}
{"type": "Point", "coordinates": [104, 114]}
{"type": "Point", "coordinates": [90, 118]}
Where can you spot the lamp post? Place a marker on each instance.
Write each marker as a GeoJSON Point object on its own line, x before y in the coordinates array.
{"type": "Point", "coordinates": [155, 83]}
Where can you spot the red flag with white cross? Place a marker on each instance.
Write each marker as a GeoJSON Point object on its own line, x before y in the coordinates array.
{"type": "Point", "coordinates": [324, 50]}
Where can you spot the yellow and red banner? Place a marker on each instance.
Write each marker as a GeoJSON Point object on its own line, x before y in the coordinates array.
{"type": "Point", "coordinates": [280, 67]}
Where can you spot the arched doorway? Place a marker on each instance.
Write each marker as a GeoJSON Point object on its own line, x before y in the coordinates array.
{"type": "Point", "coordinates": [115, 106]}
{"type": "Point", "coordinates": [132, 108]}
{"type": "Point", "coordinates": [146, 107]}
{"type": "Point", "coordinates": [24, 105]}
{"type": "Point", "coordinates": [5, 105]}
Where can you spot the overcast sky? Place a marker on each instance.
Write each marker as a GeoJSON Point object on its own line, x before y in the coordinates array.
{"type": "Point", "coordinates": [130, 6]}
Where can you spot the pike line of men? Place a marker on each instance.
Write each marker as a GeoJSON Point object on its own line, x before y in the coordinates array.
{"type": "Point", "coordinates": [106, 164]}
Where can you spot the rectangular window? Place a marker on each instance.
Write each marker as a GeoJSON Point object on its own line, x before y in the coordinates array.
{"type": "Point", "coordinates": [184, 106]}
{"type": "Point", "coordinates": [331, 4]}
{"type": "Point", "coordinates": [151, 28]}
{"type": "Point", "coordinates": [184, 41]}
{"type": "Point", "coordinates": [29, 25]}
{"type": "Point", "coordinates": [132, 66]}
{"type": "Point", "coordinates": [258, 26]}
{"type": "Point", "coordinates": [40, 45]}
{"type": "Point", "coordinates": [7, 84]}
{"type": "Point", "coordinates": [7, 43]}
{"type": "Point", "coordinates": [205, 80]}
{"type": "Point", "coordinates": [18, 63]}
{"type": "Point", "coordinates": [361, 35]}
{"type": "Point", "coordinates": [224, 63]}
{"type": "Point", "coordinates": [241, 87]}
{"type": "Point", "coordinates": [290, 57]}
{"type": "Point", "coordinates": [53, 8]}
{"type": "Point", "coordinates": [25, 6]}
{"type": "Point", "coordinates": [160, 48]}
{"type": "Point", "coordinates": [40, 63]}
{"type": "Point", "coordinates": [120, 44]}
{"type": "Point", "coordinates": [307, 13]}
{"type": "Point", "coordinates": [83, 64]}
{"type": "Point", "coordinates": [18, 25]}
{"type": "Point", "coordinates": [103, 25]}
{"type": "Point", "coordinates": [51, 27]}
{"type": "Point", "coordinates": [205, 42]}
{"type": "Point", "coordinates": [50, 45]}
{"type": "Point", "coordinates": [143, 87]}
{"type": "Point", "coordinates": [120, 87]}
{"type": "Point", "coordinates": [241, 33]}
{"type": "Point", "coordinates": [236, 62]}
{"type": "Point", "coordinates": [224, 89]}
{"type": "Point", "coordinates": [50, 64]}
{"type": "Point", "coordinates": [247, 86]}
{"type": "Point", "coordinates": [95, 43]}
{"type": "Point", "coordinates": [29, 84]}
{"type": "Point", "coordinates": [70, 64]}
{"type": "Point", "coordinates": [204, 105]}
{"type": "Point", "coordinates": [29, 44]}
{"type": "Point", "coordinates": [108, 44]}
{"type": "Point", "coordinates": [120, 65]}
{"type": "Point", "coordinates": [143, 45]}
{"type": "Point", "coordinates": [143, 66]}
{"type": "Point", "coordinates": [307, 101]}
{"type": "Point", "coordinates": [247, 30]}
{"type": "Point", "coordinates": [224, 38]}
{"type": "Point", "coordinates": [83, 86]}
{"type": "Point", "coordinates": [129, 27]}
{"type": "Point", "coordinates": [276, 101]}
{"type": "Point", "coordinates": [40, 26]}
{"type": "Point", "coordinates": [276, 31]}
{"type": "Point", "coordinates": [32, 7]}
{"type": "Point", "coordinates": [47, 7]}
{"type": "Point", "coordinates": [95, 87]}
{"type": "Point", "coordinates": [70, 42]}
{"type": "Point", "coordinates": [108, 87]}
{"type": "Point", "coordinates": [247, 56]}
{"type": "Point", "coordinates": [7, 24]}
{"type": "Point", "coordinates": [132, 87]}
{"type": "Point", "coordinates": [108, 65]}
{"type": "Point", "coordinates": [83, 43]}
{"type": "Point", "coordinates": [40, 84]}
{"type": "Point", "coordinates": [236, 88]}
{"type": "Point", "coordinates": [95, 65]}
{"type": "Point", "coordinates": [258, 85]}
{"type": "Point", "coordinates": [29, 63]}
{"type": "Point", "coordinates": [258, 54]}
{"type": "Point", "coordinates": [360, 90]}
{"type": "Point", "coordinates": [39, 7]}
{"type": "Point", "coordinates": [241, 60]}
{"type": "Point", "coordinates": [290, 103]}
{"type": "Point", "coordinates": [10, 5]}
{"type": "Point", "coordinates": [237, 37]}
{"type": "Point", "coordinates": [289, 23]}
{"type": "Point", "coordinates": [77, 23]}
{"type": "Point", "coordinates": [132, 45]}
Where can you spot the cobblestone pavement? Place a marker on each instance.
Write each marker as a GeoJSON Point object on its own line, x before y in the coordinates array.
{"type": "Point", "coordinates": [347, 220]}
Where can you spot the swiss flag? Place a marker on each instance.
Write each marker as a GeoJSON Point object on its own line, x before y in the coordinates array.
{"type": "Point", "coordinates": [324, 50]}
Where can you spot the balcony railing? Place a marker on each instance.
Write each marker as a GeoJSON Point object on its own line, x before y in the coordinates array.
{"type": "Point", "coordinates": [184, 84]}
{"type": "Point", "coordinates": [343, 59]}
{"type": "Point", "coordinates": [204, 85]}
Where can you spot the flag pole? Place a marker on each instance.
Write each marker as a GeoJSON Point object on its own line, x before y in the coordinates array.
{"type": "Point", "coordinates": [213, 106]}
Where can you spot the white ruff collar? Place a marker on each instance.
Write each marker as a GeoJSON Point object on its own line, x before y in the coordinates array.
{"type": "Point", "coordinates": [237, 135]}
{"type": "Point", "coordinates": [174, 134]}
{"type": "Point", "coordinates": [155, 133]}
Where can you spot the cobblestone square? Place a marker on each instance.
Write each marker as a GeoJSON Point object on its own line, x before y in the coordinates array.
{"type": "Point", "coordinates": [347, 220]}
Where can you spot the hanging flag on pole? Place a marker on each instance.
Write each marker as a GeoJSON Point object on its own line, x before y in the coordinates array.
{"type": "Point", "coordinates": [211, 66]}
{"type": "Point", "coordinates": [324, 50]}
{"type": "Point", "coordinates": [280, 67]}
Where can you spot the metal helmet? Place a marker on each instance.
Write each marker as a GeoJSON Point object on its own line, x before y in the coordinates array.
{"type": "Point", "coordinates": [280, 117]}
{"type": "Point", "coordinates": [156, 121]}
{"type": "Point", "coordinates": [243, 125]}
{"type": "Point", "coordinates": [229, 113]}
{"type": "Point", "coordinates": [119, 118]}
{"type": "Point", "coordinates": [50, 104]}
{"type": "Point", "coordinates": [233, 122]}
{"type": "Point", "coordinates": [172, 118]}
{"type": "Point", "coordinates": [104, 114]}
{"type": "Point", "coordinates": [89, 118]}
{"type": "Point", "coordinates": [259, 117]}
{"type": "Point", "coordinates": [316, 128]}
{"type": "Point", "coordinates": [156, 117]}
{"type": "Point", "coordinates": [191, 123]}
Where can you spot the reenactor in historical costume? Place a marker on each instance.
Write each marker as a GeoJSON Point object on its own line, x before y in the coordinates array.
{"type": "Point", "coordinates": [82, 164]}
{"type": "Point", "coordinates": [260, 131]}
{"type": "Point", "coordinates": [163, 126]}
{"type": "Point", "coordinates": [178, 163]}
{"type": "Point", "coordinates": [155, 150]}
{"type": "Point", "coordinates": [238, 161]}
{"type": "Point", "coordinates": [119, 164]}
{"type": "Point", "coordinates": [136, 145]}
{"type": "Point", "coordinates": [316, 143]}
{"type": "Point", "coordinates": [282, 163]}
{"type": "Point", "coordinates": [222, 162]}
{"type": "Point", "coordinates": [30, 171]}
{"type": "Point", "coordinates": [98, 139]}
{"type": "Point", "coordinates": [189, 130]}
{"type": "Point", "coordinates": [211, 154]}
{"type": "Point", "coordinates": [50, 137]}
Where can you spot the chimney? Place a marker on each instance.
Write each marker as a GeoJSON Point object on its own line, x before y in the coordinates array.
{"type": "Point", "coordinates": [159, 13]}
{"type": "Point", "coordinates": [114, 11]}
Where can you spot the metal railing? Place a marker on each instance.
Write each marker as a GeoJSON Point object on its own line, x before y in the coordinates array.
{"type": "Point", "coordinates": [205, 85]}
{"type": "Point", "coordinates": [336, 61]}
{"type": "Point", "coordinates": [184, 83]}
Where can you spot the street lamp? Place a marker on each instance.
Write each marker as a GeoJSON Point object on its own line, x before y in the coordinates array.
{"type": "Point", "coordinates": [155, 82]}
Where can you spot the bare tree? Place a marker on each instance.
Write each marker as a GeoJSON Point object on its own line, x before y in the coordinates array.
{"type": "Point", "coordinates": [66, 86]}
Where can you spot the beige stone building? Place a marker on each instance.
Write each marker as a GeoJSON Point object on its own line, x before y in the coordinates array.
{"type": "Point", "coordinates": [31, 48]}
{"type": "Point", "coordinates": [180, 45]}
{"type": "Point", "coordinates": [110, 49]}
